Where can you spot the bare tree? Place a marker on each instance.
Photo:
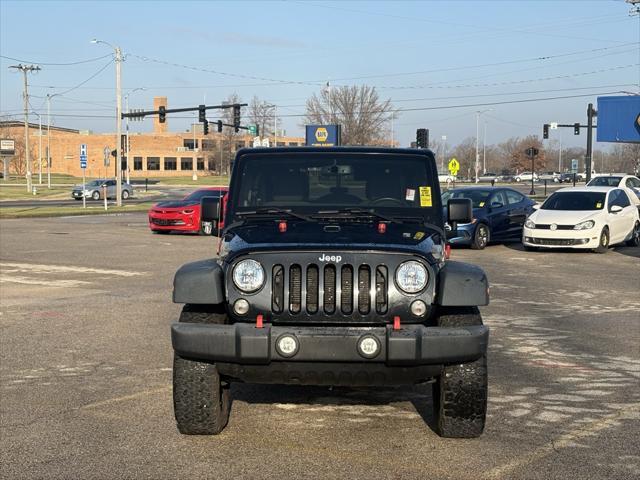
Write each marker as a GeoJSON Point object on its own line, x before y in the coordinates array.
{"type": "Point", "coordinates": [262, 114]}
{"type": "Point", "coordinates": [465, 153]}
{"type": "Point", "coordinates": [363, 115]}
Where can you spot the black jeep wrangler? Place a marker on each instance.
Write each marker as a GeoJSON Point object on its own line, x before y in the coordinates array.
{"type": "Point", "coordinates": [331, 271]}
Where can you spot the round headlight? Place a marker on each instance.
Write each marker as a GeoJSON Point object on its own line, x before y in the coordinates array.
{"type": "Point", "coordinates": [248, 275]}
{"type": "Point", "coordinates": [530, 224]}
{"type": "Point", "coordinates": [412, 277]}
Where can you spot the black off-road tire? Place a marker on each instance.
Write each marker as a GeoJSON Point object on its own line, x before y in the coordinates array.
{"type": "Point", "coordinates": [460, 393]}
{"type": "Point", "coordinates": [481, 237]}
{"type": "Point", "coordinates": [634, 241]}
{"type": "Point", "coordinates": [603, 246]}
{"type": "Point", "coordinates": [201, 399]}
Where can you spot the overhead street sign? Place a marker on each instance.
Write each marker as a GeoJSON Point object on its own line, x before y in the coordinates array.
{"type": "Point", "coordinates": [454, 166]}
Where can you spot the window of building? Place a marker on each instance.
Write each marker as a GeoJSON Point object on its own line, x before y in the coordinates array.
{"type": "Point", "coordinates": [200, 163]}
{"type": "Point", "coordinates": [190, 143]}
{"type": "Point", "coordinates": [153, 163]}
{"type": "Point", "coordinates": [186, 163]}
{"type": "Point", "coordinates": [137, 163]}
{"type": "Point", "coordinates": [211, 165]}
{"type": "Point", "coordinates": [281, 144]}
{"type": "Point", "coordinates": [208, 144]}
{"type": "Point", "coordinates": [293, 144]}
{"type": "Point", "coordinates": [170, 163]}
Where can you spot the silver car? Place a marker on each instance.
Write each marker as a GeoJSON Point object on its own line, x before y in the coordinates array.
{"type": "Point", "coordinates": [95, 189]}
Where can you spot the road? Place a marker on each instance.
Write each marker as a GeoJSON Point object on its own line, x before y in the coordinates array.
{"type": "Point", "coordinates": [85, 369]}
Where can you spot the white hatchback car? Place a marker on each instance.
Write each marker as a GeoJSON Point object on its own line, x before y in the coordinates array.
{"type": "Point", "coordinates": [583, 217]}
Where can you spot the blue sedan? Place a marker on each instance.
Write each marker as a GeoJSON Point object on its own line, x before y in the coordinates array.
{"type": "Point", "coordinates": [498, 215]}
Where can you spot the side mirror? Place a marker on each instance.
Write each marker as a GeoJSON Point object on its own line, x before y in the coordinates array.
{"type": "Point", "coordinates": [615, 209]}
{"type": "Point", "coordinates": [536, 206]}
{"type": "Point", "coordinates": [210, 213]}
{"type": "Point", "coordinates": [459, 210]}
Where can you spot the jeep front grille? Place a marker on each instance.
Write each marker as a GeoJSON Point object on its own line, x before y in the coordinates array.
{"type": "Point", "coordinates": [329, 289]}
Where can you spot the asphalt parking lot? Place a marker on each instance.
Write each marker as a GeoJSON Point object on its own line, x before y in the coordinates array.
{"type": "Point", "coordinates": [85, 369]}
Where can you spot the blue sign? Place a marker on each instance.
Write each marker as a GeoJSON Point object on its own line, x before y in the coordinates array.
{"type": "Point", "coordinates": [619, 119]}
{"type": "Point", "coordinates": [574, 165]}
{"type": "Point", "coordinates": [323, 135]}
{"type": "Point", "coordinates": [83, 155]}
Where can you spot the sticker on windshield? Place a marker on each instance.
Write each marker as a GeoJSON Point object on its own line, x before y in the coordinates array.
{"type": "Point", "coordinates": [425, 197]}
{"type": "Point", "coordinates": [410, 195]}
{"type": "Point", "coordinates": [481, 204]}
{"type": "Point", "coordinates": [598, 205]}
{"type": "Point", "coordinates": [418, 236]}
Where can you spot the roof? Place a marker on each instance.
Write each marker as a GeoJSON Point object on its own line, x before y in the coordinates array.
{"type": "Point", "coordinates": [15, 123]}
{"type": "Point", "coordinates": [586, 189]}
{"type": "Point", "coordinates": [350, 149]}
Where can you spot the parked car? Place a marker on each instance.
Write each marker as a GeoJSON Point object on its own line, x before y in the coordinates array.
{"type": "Point", "coordinates": [630, 183]}
{"type": "Point", "coordinates": [567, 177]}
{"type": "Point", "coordinates": [526, 177]}
{"type": "Point", "coordinates": [184, 215]}
{"type": "Point", "coordinates": [550, 177]}
{"type": "Point", "coordinates": [488, 177]}
{"type": "Point", "coordinates": [94, 189]}
{"type": "Point", "coordinates": [498, 215]}
{"type": "Point", "coordinates": [583, 217]}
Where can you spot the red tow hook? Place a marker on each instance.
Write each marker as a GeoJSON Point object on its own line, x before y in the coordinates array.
{"type": "Point", "coordinates": [382, 227]}
{"type": "Point", "coordinates": [259, 319]}
{"type": "Point", "coordinates": [282, 226]}
{"type": "Point", "coordinates": [447, 251]}
{"type": "Point", "coordinates": [396, 322]}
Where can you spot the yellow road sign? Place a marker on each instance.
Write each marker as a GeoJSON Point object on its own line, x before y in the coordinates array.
{"type": "Point", "coordinates": [454, 166]}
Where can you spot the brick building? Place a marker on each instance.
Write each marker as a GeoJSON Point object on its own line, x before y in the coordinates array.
{"type": "Point", "coordinates": [158, 154]}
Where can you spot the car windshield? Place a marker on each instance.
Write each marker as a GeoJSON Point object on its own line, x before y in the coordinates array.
{"type": "Point", "coordinates": [310, 183]}
{"type": "Point", "coordinates": [198, 194]}
{"type": "Point", "coordinates": [605, 182]}
{"type": "Point", "coordinates": [478, 197]}
{"type": "Point", "coordinates": [575, 201]}
{"type": "Point", "coordinates": [95, 183]}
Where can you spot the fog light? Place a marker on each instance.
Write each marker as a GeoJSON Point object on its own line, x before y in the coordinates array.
{"type": "Point", "coordinates": [368, 346]}
{"type": "Point", "coordinates": [287, 345]}
{"type": "Point", "coordinates": [418, 308]}
{"type": "Point", "coordinates": [241, 307]}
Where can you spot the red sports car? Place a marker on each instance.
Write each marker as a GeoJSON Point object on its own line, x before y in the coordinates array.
{"type": "Point", "coordinates": [184, 215]}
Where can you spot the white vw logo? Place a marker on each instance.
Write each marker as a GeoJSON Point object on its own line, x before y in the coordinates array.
{"type": "Point", "coordinates": [553, 226]}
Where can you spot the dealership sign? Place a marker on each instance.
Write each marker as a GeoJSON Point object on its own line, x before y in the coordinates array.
{"type": "Point", "coordinates": [323, 135]}
{"type": "Point", "coordinates": [618, 119]}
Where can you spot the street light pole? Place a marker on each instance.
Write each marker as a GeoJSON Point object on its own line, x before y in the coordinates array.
{"type": "Point", "coordinates": [484, 149]}
{"type": "Point", "coordinates": [477, 147]}
{"type": "Point", "coordinates": [49, 97]}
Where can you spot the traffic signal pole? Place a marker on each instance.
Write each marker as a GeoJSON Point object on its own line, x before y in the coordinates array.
{"type": "Point", "coordinates": [590, 114]}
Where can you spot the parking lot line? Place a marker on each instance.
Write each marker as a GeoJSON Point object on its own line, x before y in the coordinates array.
{"type": "Point", "coordinates": [506, 470]}
{"type": "Point", "coordinates": [44, 282]}
{"type": "Point", "coordinates": [125, 398]}
{"type": "Point", "coordinates": [40, 268]}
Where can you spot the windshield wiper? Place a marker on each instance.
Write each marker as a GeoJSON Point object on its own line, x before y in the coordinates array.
{"type": "Point", "coordinates": [358, 212]}
{"type": "Point", "coordinates": [274, 211]}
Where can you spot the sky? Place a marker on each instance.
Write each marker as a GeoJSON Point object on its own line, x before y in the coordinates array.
{"type": "Point", "coordinates": [439, 62]}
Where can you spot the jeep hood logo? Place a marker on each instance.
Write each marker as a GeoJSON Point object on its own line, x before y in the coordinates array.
{"type": "Point", "coordinates": [330, 258]}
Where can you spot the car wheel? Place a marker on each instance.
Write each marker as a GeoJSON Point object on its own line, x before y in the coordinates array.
{"type": "Point", "coordinates": [481, 237]}
{"type": "Point", "coordinates": [95, 195]}
{"type": "Point", "coordinates": [201, 399]}
{"type": "Point", "coordinates": [603, 246]}
{"type": "Point", "coordinates": [460, 393]}
{"type": "Point", "coordinates": [634, 241]}
{"type": "Point", "coordinates": [125, 194]}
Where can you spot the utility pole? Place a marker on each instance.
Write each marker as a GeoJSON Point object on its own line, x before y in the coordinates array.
{"type": "Point", "coordinates": [591, 112]}
{"type": "Point", "coordinates": [118, 126]}
{"type": "Point", "coordinates": [26, 69]}
{"type": "Point", "coordinates": [484, 149]}
{"type": "Point", "coordinates": [49, 97]}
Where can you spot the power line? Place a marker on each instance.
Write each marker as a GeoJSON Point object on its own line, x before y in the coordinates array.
{"type": "Point", "coordinates": [58, 64]}
{"type": "Point", "coordinates": [88, 79]}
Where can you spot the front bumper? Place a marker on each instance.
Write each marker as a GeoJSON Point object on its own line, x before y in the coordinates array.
{"type": "Point", "coordinates": [176, 221]}
{"type": "Point", "coordinates": [463, 235]}
{"type": "Point", "coordinates": [561, 238]}
{"type": "Point", "coordinates": [412, 345]}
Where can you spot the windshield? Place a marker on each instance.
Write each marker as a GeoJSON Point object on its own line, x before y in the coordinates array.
{"type": "Point", "coordinates": [198, 194]}
{"type": "Point", "coordinates": [605, 182]}
{"type": "Point", "coordinates": [95, 183]}
{"type": "Point", "coordinates": [478, 197]}
{"type": "Point", "coordinates": [312, 182]}
{"type": "Point", "coordinates": [575, 201]}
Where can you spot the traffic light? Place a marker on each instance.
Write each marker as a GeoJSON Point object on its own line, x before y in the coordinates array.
{"type": "Point", "coordinates": [162, 116]}
{"type": "Point", "coordinates": [576, 129]}
{"type": "Point", "coordinates": [219, 126]}
{"type": "Point", "coordinates": [202, 114]}
{"type": "Point", "coordinates": [422, 138]}
{"type": "Point", "coordinates": [236, 118]}
{"type": "Point", "coordinates": [205, 127]}
{"type": "Point", "coordinates": [545, 131]}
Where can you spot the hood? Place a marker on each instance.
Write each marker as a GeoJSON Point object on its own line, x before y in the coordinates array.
{"type": "Point", "coordinates": [176, 204]}
{"type": "Point", "coordinates": [562, 217]}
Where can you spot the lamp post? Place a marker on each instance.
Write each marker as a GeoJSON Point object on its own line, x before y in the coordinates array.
{"type": "Point", "coordinates": [127, 146]}
{"type": "Point", "coordinates": [478, 113]}
{"type": "Point", "coordinates": [118, 60]}
{"type": "Point", "coordinates": [49, 97]}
